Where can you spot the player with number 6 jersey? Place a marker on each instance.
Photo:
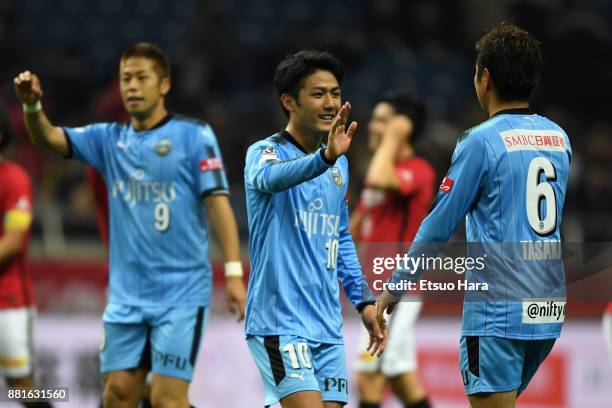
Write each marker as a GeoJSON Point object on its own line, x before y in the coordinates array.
{"type": "Point", "coordinates": [508, 178]}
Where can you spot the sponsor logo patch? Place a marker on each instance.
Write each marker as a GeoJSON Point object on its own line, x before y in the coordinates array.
{"type": "Point", "coordinates": [535, 140]}
{"type": "Point", "coordinates": [543, 312]}
{"type": "Point", "coordinates": [268, 154]}
{"type": "Point", "coordinates": [211, 164]}
{"type": "Point", "coordinates": [447, 184]}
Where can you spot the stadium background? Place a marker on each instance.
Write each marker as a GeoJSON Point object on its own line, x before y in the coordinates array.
{"type": "Point", "coordinates": [223, 54]}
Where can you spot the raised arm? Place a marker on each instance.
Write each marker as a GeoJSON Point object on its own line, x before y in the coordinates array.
{"type": "Point", "coordinates": [42, 132]}
{"type": "Point", "coordinates": [381, 170]}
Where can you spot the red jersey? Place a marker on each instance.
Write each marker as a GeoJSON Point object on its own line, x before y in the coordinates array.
{"type": "Point", "coordinates": [609, 309]}
{"type": "Point", "coordinates": [395, 216]}
{"type": "Point", "coordinates": [15, 280]}
{"type": "Point", "coordinates": [100, 196]}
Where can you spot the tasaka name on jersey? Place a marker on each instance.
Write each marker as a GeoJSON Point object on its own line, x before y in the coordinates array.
{"type": "Point", "coordinates": [508, 178]}
{"type": "Point", "coordinates": [299, 244]}
{"type": "Point", "coordinates": [156, 181]}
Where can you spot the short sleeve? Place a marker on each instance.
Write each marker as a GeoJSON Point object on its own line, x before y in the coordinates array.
{"type": "Point", "coordinates": [86, 143]}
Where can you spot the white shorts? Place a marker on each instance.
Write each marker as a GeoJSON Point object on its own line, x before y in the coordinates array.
{"type": "Point", "coordinates": [16, 342]}
{"type": "Point", "coordinates": [607, 331]}
{"type": "Point", "coordinates": [400, 355]}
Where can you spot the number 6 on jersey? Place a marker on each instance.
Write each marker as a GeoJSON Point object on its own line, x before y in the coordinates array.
{"type": "Point", "coordinates": [536, 191]}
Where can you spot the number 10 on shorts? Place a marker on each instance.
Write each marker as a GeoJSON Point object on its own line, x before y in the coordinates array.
{"type": "Point", "coordinates": [298, 351]}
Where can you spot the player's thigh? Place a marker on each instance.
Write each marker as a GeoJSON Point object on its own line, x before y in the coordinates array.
{"type": "Point", "coordinates": [493, 400]}
{"type": "Point", "coordinates": [329, 363]}
{"type": "Point", "coordinates": [303, 399]}
{"type": "Point", "coordinates": [371, 386]}
{"type": "Point", "coordinates": [491, 364]}
{"type": "Point", "coordinates": [16, 343]}
{"type": "Point", "coordinates": [176, 335]}
{"type": "Point", "coordinates": [400, 355]}
{"type": "Point", "coordinates": [536, 352]}
{"type": "Point", "coordinates": [124, 344]}
{"type": "Point", "coordinates": [169, 391]}
{"type": "Point", "coordinates": [286, 368]}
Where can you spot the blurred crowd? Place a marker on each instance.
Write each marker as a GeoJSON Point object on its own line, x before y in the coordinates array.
{"type": "Point", "coordinates": [224, 52]}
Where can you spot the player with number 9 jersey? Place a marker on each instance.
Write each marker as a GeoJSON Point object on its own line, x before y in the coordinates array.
{"type": "Point", "coordinates": [155, 180]}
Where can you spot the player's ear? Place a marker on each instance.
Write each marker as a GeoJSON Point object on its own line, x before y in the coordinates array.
{"type": "Point", "coordinates": [165, 86]}
{"type": "Point", "coordinates": [486, 77]}
{"type": "Point", "coordinates": [288, 102]}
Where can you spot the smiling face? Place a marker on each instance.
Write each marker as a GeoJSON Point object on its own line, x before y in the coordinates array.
{"type": "Point", "coordinates": [318, 102]}
{"type": "Point", "coordinates": [142, 89]}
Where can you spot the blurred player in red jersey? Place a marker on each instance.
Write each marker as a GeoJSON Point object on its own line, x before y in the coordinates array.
{"type": "Point", "coordinates": [607, 327]}
{"type": "Point", "coordinates": [399, 188]}
{"type": "Point", "coordinates": [17, 305]}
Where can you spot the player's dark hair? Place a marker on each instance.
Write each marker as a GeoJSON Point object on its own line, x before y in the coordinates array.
{"type": "Point", "coordinates": [6, 133]}
{"type": "Point", "coordinates": [514, 59]}
{"type": "Point", "coordinates": [294, 68]}
{"type": "Point", "coordinates": [406, 103]}
{"type": "Point", "coordinates": [152, 52]}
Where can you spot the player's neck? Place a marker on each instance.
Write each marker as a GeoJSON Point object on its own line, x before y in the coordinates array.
{"type": "Point", "coordinates": [309, 141]}
{"type": "Point", "coordinates": [150, 121]}
{"type": "Point", "coordinates": [495, 106]}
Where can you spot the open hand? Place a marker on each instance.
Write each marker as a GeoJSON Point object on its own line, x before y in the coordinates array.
{"type": "Point", "coordinates": [339, 139]}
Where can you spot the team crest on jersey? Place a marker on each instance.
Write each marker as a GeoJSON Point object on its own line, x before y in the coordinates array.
{"type": "Point", "coordinates": [163, 147]}
{"type": "Point", "coordinates": [336, 176]}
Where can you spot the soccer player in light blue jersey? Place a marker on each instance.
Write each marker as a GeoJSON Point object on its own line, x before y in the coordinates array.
{"type": "Point", "coordinates": [300, 245]}
{"type": "Point", "coordinates": [508, 175]}
{"type": "Point", "coordinates": [164, 173]}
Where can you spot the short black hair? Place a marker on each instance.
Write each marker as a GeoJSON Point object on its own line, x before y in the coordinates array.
{"type": "Point", "coordinates": [514, 59]}
{"type": "Point", "coordinates": [6, 132]}
{"type": "Point", "coordinates": [294, 68]}
{"type": "Point", "coordinates": [152, 52]}
{"type": "Point", "coordinates": [406, 103]}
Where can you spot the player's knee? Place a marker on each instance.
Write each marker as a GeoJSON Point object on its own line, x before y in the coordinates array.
{"type": "Point", "coordinates": [118, 391]}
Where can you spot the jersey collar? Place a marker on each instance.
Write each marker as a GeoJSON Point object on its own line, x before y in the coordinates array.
{"type": "Point", "coordinates": [292, 140]}
{"type": "Point", "coordinates": [159, 124]}
{"type": "Point", "coordinates": [514, 111]}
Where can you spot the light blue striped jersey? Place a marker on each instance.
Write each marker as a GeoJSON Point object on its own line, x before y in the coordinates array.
{"type": "Point", "coordinates": [299, 243]}
{"type": "Point", "coordinates": [508, 178]}
{"type": "Point", "coordinates": [156, 182]}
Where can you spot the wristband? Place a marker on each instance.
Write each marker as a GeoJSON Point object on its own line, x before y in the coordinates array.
{"type": "Point", "coordinates": [233, 269]}
{"type": "Point", "coordinates": [32, 107]}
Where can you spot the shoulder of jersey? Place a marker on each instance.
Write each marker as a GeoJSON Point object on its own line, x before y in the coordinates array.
{"type": "Point", "coordinates": [16, 172]}
{"type": "Point", "coordinates": [191, 121]}
{"type": "Point", "coordinates": [275, 140]}
{"type": "Point", "coordinates": [200, 127]}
